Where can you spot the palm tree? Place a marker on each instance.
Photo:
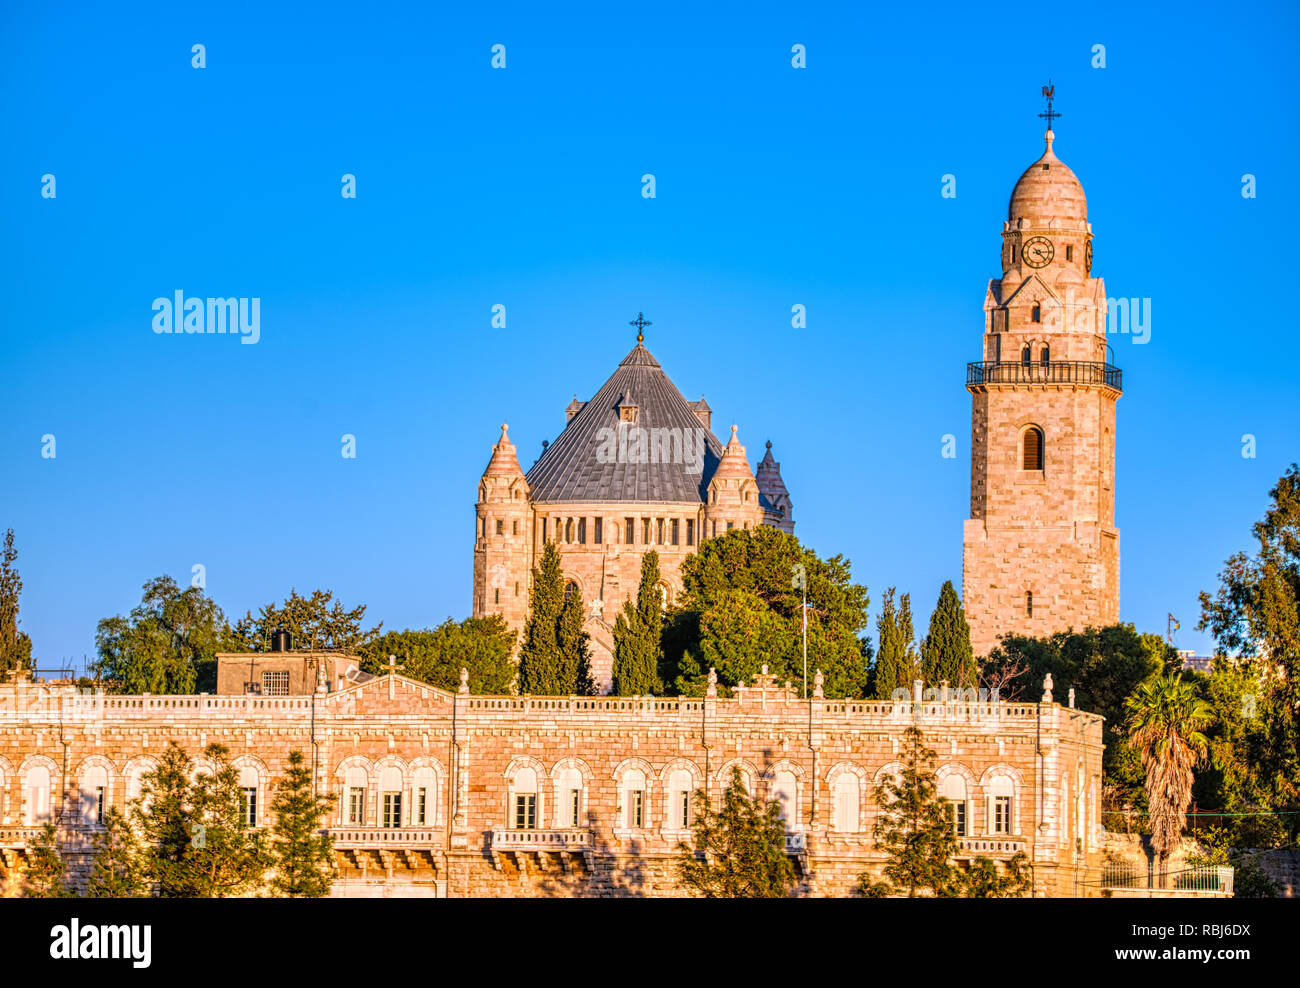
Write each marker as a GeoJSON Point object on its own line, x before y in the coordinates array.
{"type": "Point", "coordinates": [1165, 721]}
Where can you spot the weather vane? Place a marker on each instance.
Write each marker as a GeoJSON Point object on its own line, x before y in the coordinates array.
{"type": "Point", "coordinates": [640, 322]}
{"type": "Point", "coordinates": [1050, 115]}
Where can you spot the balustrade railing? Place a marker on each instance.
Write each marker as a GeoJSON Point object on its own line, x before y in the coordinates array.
{"type": "Point", "coordinates": [1087, 372]}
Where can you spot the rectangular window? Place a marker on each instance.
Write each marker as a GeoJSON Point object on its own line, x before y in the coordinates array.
{"type": "Point", "coordinates": [675, 524]}
{"type": "Point", "coordinates": [685, 806]}
{"type": "Point", "coordinates": [356, 806]}
{"type": "Point", "coordinates": [544, 528]}
{"type": "Point", "coordinates": [501, 527]}
{"type": "Point", "coordinates": [248, 803]}
{"type": "Point", "coordinates": [690, 531]}
{"type": "Point", "coordinates": [1002, 814]}
{"type": "Point", "coordinates": [1069, 253]}
{"type": "Point", "coordinates": [275, 684]}
{"type": "Point", "coordinates": [496, 599]}
{"type": "Point", "coordinates": [421, 804]}
{"type": "Point", "coordinates": [582, 531]}
{"type": "Point", "coordinates": [714, 533]}
{"type": "Point", "coordinates": [392, 809]}
{"type": "Point", "coordinates": [575, 803]}
{"type": "Point", "coordinates": [636, 808]}
{"type": "Point", "coordinates": [526, 811]}
{"type": "Point", "coordinates": [598, 533]}
{"type": "Point", "coordinates": [645, 531]}
{"type": "Point", "coordinates": [630, 536]}
{"type": "Point", "coordinates": [959, 818]}
{"type": "Point", "coordinates": [99, 804]}
{"type": "Point", "coordinates": [730, 525]}
{"type": "Point", "coordinates": [514, 528]}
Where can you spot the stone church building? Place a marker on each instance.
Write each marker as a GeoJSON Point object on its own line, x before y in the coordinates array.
{"type": "Point", "coordinates": [637, 468]}
{"type": "Point", "coordinates": [461, 794]}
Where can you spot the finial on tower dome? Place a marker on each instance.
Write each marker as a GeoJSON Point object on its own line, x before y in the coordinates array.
{"type": "Point", "coordinates": [504, 437]}
{"type": "Point", "coordinates": [1049, 91]}
{"type": "Point", "coordinates": [640, 322]}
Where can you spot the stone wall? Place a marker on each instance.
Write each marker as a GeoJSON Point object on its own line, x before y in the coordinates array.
{"type": "Point", "coordinates": [476, 753]}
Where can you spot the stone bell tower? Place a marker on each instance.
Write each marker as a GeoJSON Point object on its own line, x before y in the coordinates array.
{"type": "Point", "coordinates": [1041, 550]}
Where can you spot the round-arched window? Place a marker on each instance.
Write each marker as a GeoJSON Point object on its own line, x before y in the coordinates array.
{"type": "Point", "coordinates": [1031, 451]}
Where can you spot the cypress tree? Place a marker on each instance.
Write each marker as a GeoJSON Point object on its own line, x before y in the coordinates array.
{"type": "Point", "coordinates": [15, 646]}
{"type": "Point", "coordinates": [575, 650]}
{"type": "Point", "coordinates": [302, 855]}
{"type": "Point", "coordinates": [540, 672]}
{"type": "Point", "coordinates": [946, 653]}
{"type": "Point", "coordinates": [638, 635]}
{"type": "Point", "coordinates": [895, 658]}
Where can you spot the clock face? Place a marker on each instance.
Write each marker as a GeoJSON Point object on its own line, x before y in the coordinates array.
{"type": "Point", "coordinates": [1038, 252]}
{"type": "Point", "coordinates": [1087, 257]}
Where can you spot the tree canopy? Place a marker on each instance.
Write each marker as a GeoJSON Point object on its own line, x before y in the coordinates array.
{"type": "Point", "coordinates": [740, 610]}
{"type": "Point", "coordinates": [317, 622]}
{"type": "Point", "coordinates": [168, 644]}
{"type": "Point", "coordinates": [482, 645]}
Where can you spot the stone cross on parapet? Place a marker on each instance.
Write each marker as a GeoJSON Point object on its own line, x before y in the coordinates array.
{"type": "Point", "coordinates": [1047, 688]}
{"type": "Point", "coordinates": [392, 671]}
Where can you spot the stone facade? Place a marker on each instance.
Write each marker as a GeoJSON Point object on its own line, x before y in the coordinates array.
{"type": "Point", "coordinates": [460, 763]}
{"type": "Point", "coordinates": [635, 469]}
{"type": "Point", "coordinates": [1041, 550]}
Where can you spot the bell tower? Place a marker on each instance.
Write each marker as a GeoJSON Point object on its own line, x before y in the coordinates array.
{"type": "Point", "coordinates": [1040, 552]}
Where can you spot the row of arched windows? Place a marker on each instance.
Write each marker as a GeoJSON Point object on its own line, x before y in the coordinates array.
{"type": "Point", "coordinates": [96, 785]}
{"type": "Point", "coordinates": [664, 800]}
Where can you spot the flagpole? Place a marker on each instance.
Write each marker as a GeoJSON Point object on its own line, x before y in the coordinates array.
{"type": "Point", "coordinates": [805, 640]}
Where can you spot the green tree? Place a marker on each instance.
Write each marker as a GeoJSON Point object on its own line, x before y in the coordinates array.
{"type": "Point", "coordinates": [232, 857]}
{"type": "Point", "coordinates": [638, 635]}
{"type": "Point", "coordinates": [117, 871]}
{"type": "Point", "coordinates": [15, 646]}
{"type": "Point", "coordinates": [897, 665]}
{"type": "Point", "coordinates": [162, 821]}
{"type": "Point", "coordinates": [740, 609]}
{"type": "Point", "coordinates": [301, 853]}
{"type": "Point", "coordinates": [44, 875]}
{"type": "Point", "coordinates": [575, 648]}
{"type": "Point", "coordinates": [1104, 666]}
{"type": "Point", "coordinates": [985, 881]}
{"type": "Point", "coordinates": [915, 828]}
{"type": "Point", "coordinates": [168, 644]}
{"type": "Point", "coordinates": [316, 622]}
{"type": "Point", "coordinates": [946, 653]}
{"type": "Point", "coordinates": [540, 662]}
{"type": "Point", "coordinates": [1166, 719]}
{"type": "Point", "coordinates": [482, 645]}
{"type": "Point", "coordinates": [1255, 619]}
{"type": "Point", "coordinates": [738, 851]}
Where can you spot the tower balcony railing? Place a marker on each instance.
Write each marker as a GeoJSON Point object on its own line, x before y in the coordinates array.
{"type": "Point", "coordinates": [1086, 372]}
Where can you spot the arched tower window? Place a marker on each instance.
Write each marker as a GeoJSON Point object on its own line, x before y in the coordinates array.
{"type": "Point", "coordinates": [1046, 355]}
{"type": "Point", "coordinates": [1029, 603]}
{"type": "Point", "coordinates": [1036, 314]}
{"type": "Point", "coordinates": [570, 589]}
{"type": "Point", "coordinates": [1026, 355]}
{"type": "Point", "coordinates": [1031, 453]}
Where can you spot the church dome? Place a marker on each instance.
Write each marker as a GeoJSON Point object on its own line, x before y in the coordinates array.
{"type": "Point", "coordinates": [1048, 191]}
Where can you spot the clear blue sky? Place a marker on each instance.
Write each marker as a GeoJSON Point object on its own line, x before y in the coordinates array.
{"type": "Point", "coordinates": [522, 187]}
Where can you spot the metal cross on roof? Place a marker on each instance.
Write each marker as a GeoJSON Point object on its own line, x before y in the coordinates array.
{"type": "Point", "coordinates": [1050, 115]}
{"type": "Point", "coordinates": [640, 322]}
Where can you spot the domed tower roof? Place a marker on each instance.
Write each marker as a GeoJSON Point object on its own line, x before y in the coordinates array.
{"type": "Point", "coordinates": [1048, 191]}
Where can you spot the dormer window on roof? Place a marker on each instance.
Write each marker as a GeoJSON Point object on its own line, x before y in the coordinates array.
{"type": "Point", "coordinates": [627, 408]}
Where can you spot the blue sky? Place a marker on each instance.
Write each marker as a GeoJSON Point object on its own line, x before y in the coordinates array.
{"type": "Point", "coordinates": [521, 187]}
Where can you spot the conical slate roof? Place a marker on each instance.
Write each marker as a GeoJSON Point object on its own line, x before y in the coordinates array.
{"type": "Point", "coordinates": [599, 458]}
